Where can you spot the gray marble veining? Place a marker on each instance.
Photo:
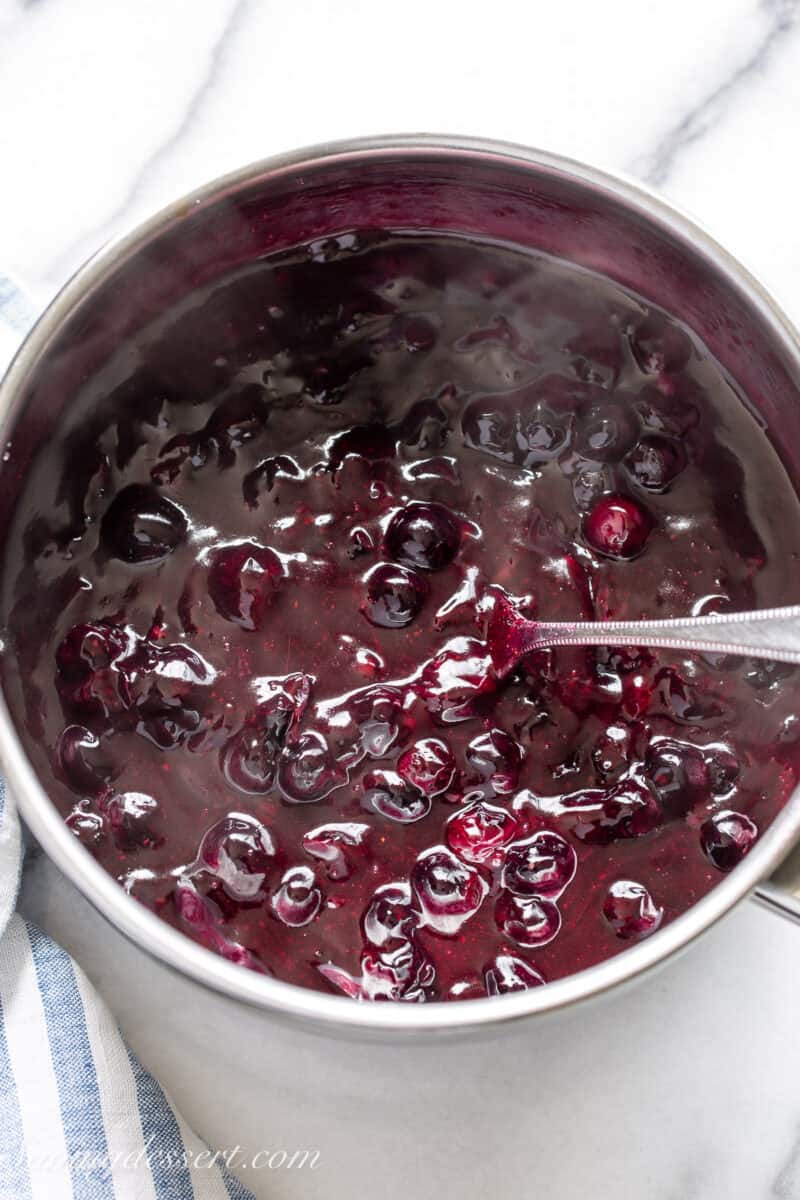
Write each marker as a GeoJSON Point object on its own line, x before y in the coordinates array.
{"type": "Point", "coordinates": [698, 122]}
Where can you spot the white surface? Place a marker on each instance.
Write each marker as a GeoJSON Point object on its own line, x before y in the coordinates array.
{"type": "Point", "coordinates": [683, 1087]}
{"type": "Point", "coordinates": [688, 1086]}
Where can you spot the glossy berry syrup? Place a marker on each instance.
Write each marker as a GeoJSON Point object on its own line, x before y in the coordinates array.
{"type": "Point", "coordinates": [248, 597]}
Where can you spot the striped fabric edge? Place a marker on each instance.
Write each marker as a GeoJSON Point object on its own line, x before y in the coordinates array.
{"type": "Point", "coordinates": [17, 315]}
{"type": "Point", "coordinates": [174, 1149]}
{"type": "Point", "coordinates": [82, 1119]}
{"type": "Point", "coordinates": [130, 1171]}
{"type": "Point", "coordinates": [215, 1183]}
{"type": "Point", "coordinates": [15, 1182]}
{"type": "Point", "coordinates": [125, 1087]}
{"type": "Point", "coordinates": [10, 856]}
{"type": "Point", "coordinates": [17, 312]}
{"type": "Point", "coordinates": [74, 1068]}
{"type": "Point", "coordinates": [9, 341]}
{"type": "Point", "coordinates": [32, 1079]}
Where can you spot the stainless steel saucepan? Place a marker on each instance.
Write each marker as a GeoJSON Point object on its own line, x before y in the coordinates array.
{"type": "Point", "coordinates": [473, 187]}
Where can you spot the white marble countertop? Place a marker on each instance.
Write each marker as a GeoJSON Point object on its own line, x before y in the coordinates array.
{"type": "Point", "coordinates": [688, 1086]}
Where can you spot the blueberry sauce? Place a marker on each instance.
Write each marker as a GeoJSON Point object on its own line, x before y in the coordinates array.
{"type": "Point", "coordinates": [248, 600]}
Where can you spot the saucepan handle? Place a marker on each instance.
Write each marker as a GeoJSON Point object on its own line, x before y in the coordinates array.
{"type": "Point", "coordinates": [780, 893]}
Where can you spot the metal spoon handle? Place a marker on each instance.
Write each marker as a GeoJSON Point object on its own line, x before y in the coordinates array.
{"type": "Point", "coordinates": [769, 633]}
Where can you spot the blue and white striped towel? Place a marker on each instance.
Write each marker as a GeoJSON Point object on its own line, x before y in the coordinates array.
{"type": "Point", "coordinates": [79, 1116]}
